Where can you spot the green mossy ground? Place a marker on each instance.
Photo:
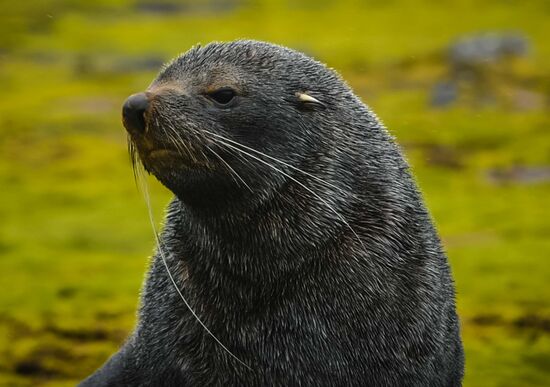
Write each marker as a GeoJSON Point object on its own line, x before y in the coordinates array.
{"type": "Point", "coordinates": [74, 233]}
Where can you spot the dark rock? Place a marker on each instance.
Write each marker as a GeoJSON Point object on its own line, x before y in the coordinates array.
{"type": "Point", "coordinates": [519, 174]}
{"type": "Point", "coordinates": [67, 292]}
{"type": "Point", "coordinates": [479, 70]}
{"type": "Point", "coordinates": [33, 367]}
{"type": "Point", "coordinates": [533, 321]}
{"type": "Point", "coordinates": [487, 320]}
{"type": "Point", "coordinates": [443, 94]}
{"type": "Point", "coordinates": [159, 7]}
{"type": "Point", "coordinates": [491, 47]}
{"type": "Point", "coordinates": [439, 155]}
{"type": "Point", "coordinates": [171, 7]}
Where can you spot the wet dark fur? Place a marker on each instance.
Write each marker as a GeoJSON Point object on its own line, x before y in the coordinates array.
{"type": "Point", "coordinates": [274, 273]}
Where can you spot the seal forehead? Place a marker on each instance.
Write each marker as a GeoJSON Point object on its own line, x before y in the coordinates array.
{"type": "Point", "coordinates": [237, 53]}
{"type": "Point", "coordinates": [206, 79]}
{"type": "Point", "coordinates": [243, 59]}
{"type": "Point", "coordinates": [220, 64]}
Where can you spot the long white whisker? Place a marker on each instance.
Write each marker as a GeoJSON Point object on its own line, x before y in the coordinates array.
{"type": "Point", "coordinates": [301, 184]}
{"type": "Point", "coordinates": [171, 133]}
{"type": "Point", "coordinates": [145, 191]}
{"type": "Point", "coordinates": [276, 160]}
{"type": "Point", "coordinates": [229, 167]}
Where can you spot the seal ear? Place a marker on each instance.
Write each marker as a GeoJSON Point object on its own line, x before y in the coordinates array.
{"type": "Point", "coordinates": [307, 102]}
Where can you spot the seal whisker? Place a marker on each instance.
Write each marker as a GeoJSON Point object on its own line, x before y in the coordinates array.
{"type": "Point", "coordinates": [303, 186]}
{"type": "Point", "coordinates": [206, 160]}
{"type": "Point", "coordinates": [141, 182]}
{"type": "Point", "coordinates": [276, 160]}
{"type": "Point", "coordinates": [172, 134]}
{"type": "Point", "coordinates": [134, 159]}
{"type": "Point", "coordinates": [147, 198]}
{"type": "Point", "coordinates": [229, 167]}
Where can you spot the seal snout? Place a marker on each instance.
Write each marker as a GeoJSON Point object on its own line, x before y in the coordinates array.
{"type": "Point", "coordinates": [133, 113]}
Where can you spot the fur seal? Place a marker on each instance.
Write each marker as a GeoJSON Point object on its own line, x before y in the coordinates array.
{"type": "Point", "coordinates": [297, 250]}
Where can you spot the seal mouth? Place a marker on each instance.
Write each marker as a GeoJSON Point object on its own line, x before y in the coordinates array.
{"type": "Point", "coordinates": [161, 149]}
{"type": "Point", "coordinates": [164, 155]}
{"type": "Point", "coordinates": [160, 158]}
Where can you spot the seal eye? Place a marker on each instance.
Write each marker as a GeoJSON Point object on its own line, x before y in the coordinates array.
{"type": "Point", "coordinates": [223, 96]}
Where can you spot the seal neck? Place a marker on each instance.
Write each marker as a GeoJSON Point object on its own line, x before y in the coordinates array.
{"type": "Point", "coordinates": [263, 243]}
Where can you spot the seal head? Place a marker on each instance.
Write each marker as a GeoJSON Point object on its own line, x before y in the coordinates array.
{"type": "Point", "coordinates": [261, 96]}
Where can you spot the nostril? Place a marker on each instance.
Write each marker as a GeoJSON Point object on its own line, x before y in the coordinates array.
{"type": "Point", "coordinates": [133, 112]}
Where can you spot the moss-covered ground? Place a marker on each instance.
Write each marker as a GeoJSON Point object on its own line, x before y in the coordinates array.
{"type": "Point", "coordinates": [74, 233]}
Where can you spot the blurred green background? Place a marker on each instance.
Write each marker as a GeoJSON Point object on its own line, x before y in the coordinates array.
{"type": "Point", "coordinates": [463, 85]}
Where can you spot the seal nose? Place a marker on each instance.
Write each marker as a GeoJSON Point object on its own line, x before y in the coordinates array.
{"type": "Point", "coordinates": [133, 112]}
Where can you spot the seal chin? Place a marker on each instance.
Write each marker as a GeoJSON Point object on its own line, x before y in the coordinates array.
{"type": "Point", "coordinates": [156, 154]}
{"type": "Point", "coordinates": [161, 160]}
{"type": "Point", "coordinates": [165, 162]}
